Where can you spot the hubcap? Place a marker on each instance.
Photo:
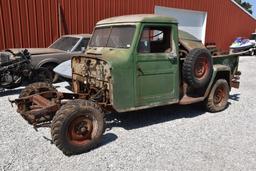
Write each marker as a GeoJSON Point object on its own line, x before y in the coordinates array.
{"type": "Point", "coordinates": [80, 130]}
{"type": "Point", "coordinates": [201, 67]}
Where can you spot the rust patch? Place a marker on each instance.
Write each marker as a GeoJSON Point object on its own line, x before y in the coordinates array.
{"type": "Point", "coordinates": [92, 77]}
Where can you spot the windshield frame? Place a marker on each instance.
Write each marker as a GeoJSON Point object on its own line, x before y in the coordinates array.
{"type": "Point", "coordinates": [111, 27]}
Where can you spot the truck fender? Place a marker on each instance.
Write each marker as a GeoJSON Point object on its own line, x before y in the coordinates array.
{"type": "Point", "coordinates": [219, 72]}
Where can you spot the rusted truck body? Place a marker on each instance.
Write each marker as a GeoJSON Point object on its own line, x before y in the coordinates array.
{"type": "Point", "coordinates": [131, 63]}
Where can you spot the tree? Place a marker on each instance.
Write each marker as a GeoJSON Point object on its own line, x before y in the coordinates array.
{"type": "Point", "coordinates": [246, 5]}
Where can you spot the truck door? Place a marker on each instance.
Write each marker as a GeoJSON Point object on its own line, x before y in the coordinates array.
{"type": "Point", "coordinates": [157, 66]}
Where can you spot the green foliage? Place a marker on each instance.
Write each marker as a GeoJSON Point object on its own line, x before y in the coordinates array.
{"type": "Point", "coordinates": [246, 5]}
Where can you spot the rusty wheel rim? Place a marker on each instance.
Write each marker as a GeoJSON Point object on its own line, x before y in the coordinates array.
{"type": "Point", "coordinates": [201, 67]}
{"type": "Point", "coordinates": [219, 95]}
{"type": "Point", "coordinates": [80, 130]}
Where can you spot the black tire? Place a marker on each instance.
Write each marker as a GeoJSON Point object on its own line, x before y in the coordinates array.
{"type": "Point", "coordinates": [36, 88]}
{"type": "Point", "coordinates": [42, 75]}
{"type": "Point", "coordinates": [218, 97]}
{"type": "Point", "coordinates": [78, 127]}
{"type": "Point", "coordinates": [197, 68]}
{"type": "Point", "coordinates": [50, 67]}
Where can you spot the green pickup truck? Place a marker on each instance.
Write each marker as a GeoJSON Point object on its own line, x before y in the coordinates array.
{"type": "Point", "coordinates": [132, 63]}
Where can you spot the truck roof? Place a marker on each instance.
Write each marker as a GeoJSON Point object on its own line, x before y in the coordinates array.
{"type": "Point", "coordinates": [146, 18]}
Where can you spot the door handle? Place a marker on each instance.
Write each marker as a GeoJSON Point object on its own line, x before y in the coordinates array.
{"type": "Point", "coordinates": [140, 70]}
{"type": "Point", "coordinates": [173, 57]}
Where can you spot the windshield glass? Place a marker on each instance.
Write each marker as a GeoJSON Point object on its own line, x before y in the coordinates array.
{"type": "Point", "coordinates": [65, 43]}
{"type": "Point", "coordinates": [115, 37]}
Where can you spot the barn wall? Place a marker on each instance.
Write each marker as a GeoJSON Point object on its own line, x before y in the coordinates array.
{"type": "Point", "coordinates": [34, 23]}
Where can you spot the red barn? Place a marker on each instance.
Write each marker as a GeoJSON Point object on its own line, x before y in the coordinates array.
{"type": "Point", "coordinates": [37, 23]}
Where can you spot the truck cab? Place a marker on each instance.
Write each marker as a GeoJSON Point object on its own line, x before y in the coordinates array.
{"type": "Point", "coordinates": [141, 53]}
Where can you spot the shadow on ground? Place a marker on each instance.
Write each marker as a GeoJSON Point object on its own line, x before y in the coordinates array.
{"type": "Point", "coordinates": [108, 138]}
{"type": "Point", "coordinates": [143, 118]}
{"type": "Point", "coordinates": [148, 117]}
{"type": "Point", "coordinates": [235, 97]}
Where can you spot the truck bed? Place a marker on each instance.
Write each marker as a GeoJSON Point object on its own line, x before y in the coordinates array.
{"type": "Point", "coordinates": [230, 60]}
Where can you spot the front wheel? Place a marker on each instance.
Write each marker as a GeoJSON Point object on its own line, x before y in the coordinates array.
{"type": "Point", "coordinates": [218, 97]}
{"type": "Point", "coordinates": [50, 67]}
{"type": "Point", "coordinates": [77, 127]}
{"type": "Point", "coordinates": [42, 75]}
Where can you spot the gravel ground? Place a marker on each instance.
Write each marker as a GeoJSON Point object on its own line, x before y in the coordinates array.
{"type": "Point", "coordinates": [167, 138]}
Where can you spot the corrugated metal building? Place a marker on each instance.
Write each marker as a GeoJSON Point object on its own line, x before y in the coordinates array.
{"type": "Point", "coordinates": [35, 23]}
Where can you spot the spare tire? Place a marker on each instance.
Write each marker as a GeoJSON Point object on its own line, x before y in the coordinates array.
{"type": "Point", "coordinates": [197, 68]}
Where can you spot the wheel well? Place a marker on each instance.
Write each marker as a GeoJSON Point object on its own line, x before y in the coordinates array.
{"type": "Point", "coordinates": [50, 64]}
{"type": "Point", "coordinates": [223, 75]}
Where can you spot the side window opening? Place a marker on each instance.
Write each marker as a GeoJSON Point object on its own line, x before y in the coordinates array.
{"type": "Point", "coordinates": [155, 40]}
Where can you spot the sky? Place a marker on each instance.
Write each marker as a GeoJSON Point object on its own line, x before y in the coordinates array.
{"type": "Point", "coordinates": [253, 2]}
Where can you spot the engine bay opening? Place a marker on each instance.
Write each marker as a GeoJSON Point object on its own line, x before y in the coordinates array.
{"type": "Point", "coordinates": [92, 78]}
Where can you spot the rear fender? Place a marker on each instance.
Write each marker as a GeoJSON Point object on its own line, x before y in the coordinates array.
{"type": "Point", "coordinates": [219, 72]}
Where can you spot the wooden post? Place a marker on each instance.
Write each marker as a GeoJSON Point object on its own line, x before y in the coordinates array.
{"type": "Point", "coordinates": [60, 17]}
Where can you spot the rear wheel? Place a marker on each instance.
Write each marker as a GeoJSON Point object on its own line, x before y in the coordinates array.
{"type": "Point", "coordinates": [218, 97]}
{"type": "Point", "coordinates": [42, 75]}
{"type": "Point", "coordinates": [50, 67]}
{"type": "Point", "coordinates": [77, 127]}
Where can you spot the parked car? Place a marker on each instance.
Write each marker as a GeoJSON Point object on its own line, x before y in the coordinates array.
{"type": "Point", "coordinates": [61, 50]}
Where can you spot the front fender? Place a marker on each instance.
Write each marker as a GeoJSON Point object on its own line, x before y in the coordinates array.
{"type": "Point", "coordinates": [48, 60]}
